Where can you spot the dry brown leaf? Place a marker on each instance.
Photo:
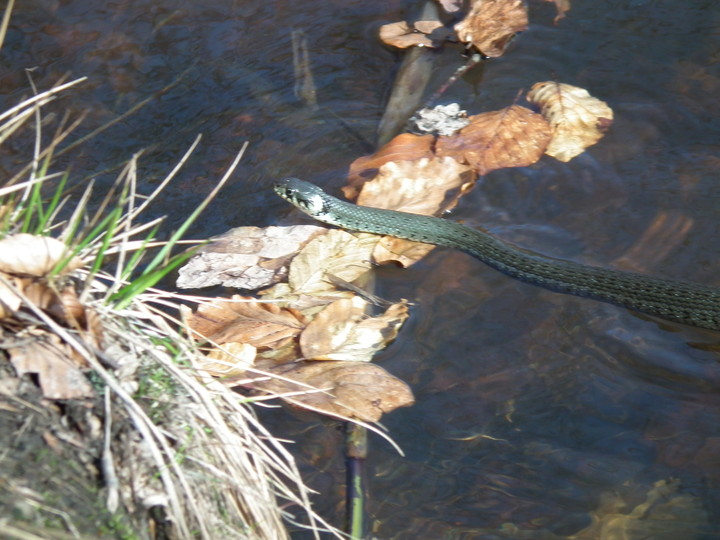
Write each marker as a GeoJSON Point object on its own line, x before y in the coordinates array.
{"type": "Point", "coordinates": [359, 390]}
{"type": "Point", "coordinates": [562, 6]}
{"type": "Point", "coordinates": [246, 257]}
{"type": "Point", "coordinates": [491, 24]}
{"type": "Point", "coordinates": [339, 253]}
{"type": "Point", "coordinates": [245, 321]}
{"type": "Point", "coordinates": [418, 34]}
{"type": "Point", "coordinates": [229, 362]}
{"type": "Point", "coordinates": [511, 137]}
{"type": "Point", "coordinates": [404, 147]}
{"type": "Point", "coordinates": [52, 362]}
{"type": "Point", "coordinates": [578, 119]}
{"type": "Point", "coordinates": [425, 186]}
{"type": "Point", "coordinates": [419, 187]}
{"type": "Point", "coordinates": [29, 255]}
{"type": "Point", "coordinates": [343, 331]}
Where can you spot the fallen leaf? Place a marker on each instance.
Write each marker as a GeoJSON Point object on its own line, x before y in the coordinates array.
{"type": "Point", "coordinates": [359, 390]}
{"type": "Point", "coordinates": [491, 24]}
{"type": "Point", "coordinates": [425, 186]}
{"type": "Point", "coordinates": [418, 34]}
{"type": "Point", "coordinates": [339, 253]}
{"type": "Point", "coordinates": [244, 320]}
{"type": "Point", "coordinates": [343, 331]}
{"type": "Point", "coordinates": [578, 119]}
{"type": "Point", "coordinates": [511, 137]}
{"type": "Point", "coordinates": [404, 147]}
{"type": "Point", "coordinates": [419, 187]}
{"type": "Point", "coordinates": [52, 362]}
{"type": "Point", "coordinates": [246, 257]}
{"type": "Point", "coordinates": [30, 255]}
{"type": "Point", "coordinates": [231, 361]}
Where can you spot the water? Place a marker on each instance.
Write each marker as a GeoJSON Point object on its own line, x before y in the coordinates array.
{"type": "Point", "coordinates": [534, 410]}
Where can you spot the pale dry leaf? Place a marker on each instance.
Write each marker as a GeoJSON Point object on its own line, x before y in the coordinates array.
{"type": "Point", "coordinates": [511, 137]}
{"type": "Point", "coordinates": [421, 186]}
{"type": "Point", "coordinates": [578, 119]}
{"type": "Point", "coordinates": [491, 24]}
{"type": "Point", "coordinates": [343, 331]}
{"type": "Point", "coordinates": [246, 257]}
{"type": "Point", "coordinates": [339, 253]}
{"type": "Point", "coordinates": [404, 147]}
{"type": "Point", "coordinates": [359, 390]}
{"type": "Point", "coordinates": [424, 186]}
{"type": "Point", "coordinates": [52, 362]}
{"type": "Point", "coordinates": [232, 361]}
{"type": "Point", "coordinates": [403, 34]}
{"type": "Point", "coordinates": [30, 255]}
{"type": "Point", "coordinates": [245, 320]}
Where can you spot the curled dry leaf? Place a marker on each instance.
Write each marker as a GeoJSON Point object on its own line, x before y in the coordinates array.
{"type": "Point", "coordinates": [418, 34]}
{"type": "Point", "coordinates": [30, 255]}
{"type": "Point", "coordinates": [511, 137]}
{"type": "Point", "coordinates": [52, 362]}
{"type": "Point", "coordinates": [491, 24]}
{"type": "Point", "coordinates": [404, 147]}
{"type": "Point", "coordinates": [359, 390]}
{"type": "Point", "coordinates": [578, 119]}
{"type": "Point", "coordinates": [339, 253]}
{"type": "Point", "coordinates": [245, 320]}
{"type": "Point", "coordinates": [343, 331]}
{"type": "Point", "coordinates": [425, 186]}
{"type": "Point", "coordinates": [246, 257]}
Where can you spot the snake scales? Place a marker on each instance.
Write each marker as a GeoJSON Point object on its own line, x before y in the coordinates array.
{"type": "Point", "coordinates": [682, 302]}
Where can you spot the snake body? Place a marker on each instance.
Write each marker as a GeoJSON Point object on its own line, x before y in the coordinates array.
{"type": "Point", "coordinates": [682, 302]}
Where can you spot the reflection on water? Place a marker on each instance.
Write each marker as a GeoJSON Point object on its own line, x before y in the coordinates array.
{"type": "Point", "coordinates": [537, 415]}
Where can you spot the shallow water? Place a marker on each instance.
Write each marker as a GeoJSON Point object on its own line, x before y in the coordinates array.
{"type": "Point", "coordinates": [533, 409]}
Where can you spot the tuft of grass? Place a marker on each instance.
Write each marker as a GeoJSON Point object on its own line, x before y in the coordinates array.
{"type": "Point", "coordinates": [182, 434]}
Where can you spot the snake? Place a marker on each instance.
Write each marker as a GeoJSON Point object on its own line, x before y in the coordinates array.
{"type": "Point", "coordinates": [681, 302]}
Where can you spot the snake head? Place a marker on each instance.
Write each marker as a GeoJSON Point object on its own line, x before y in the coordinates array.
{"type": "Point", "coordinates": [307, 197]}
